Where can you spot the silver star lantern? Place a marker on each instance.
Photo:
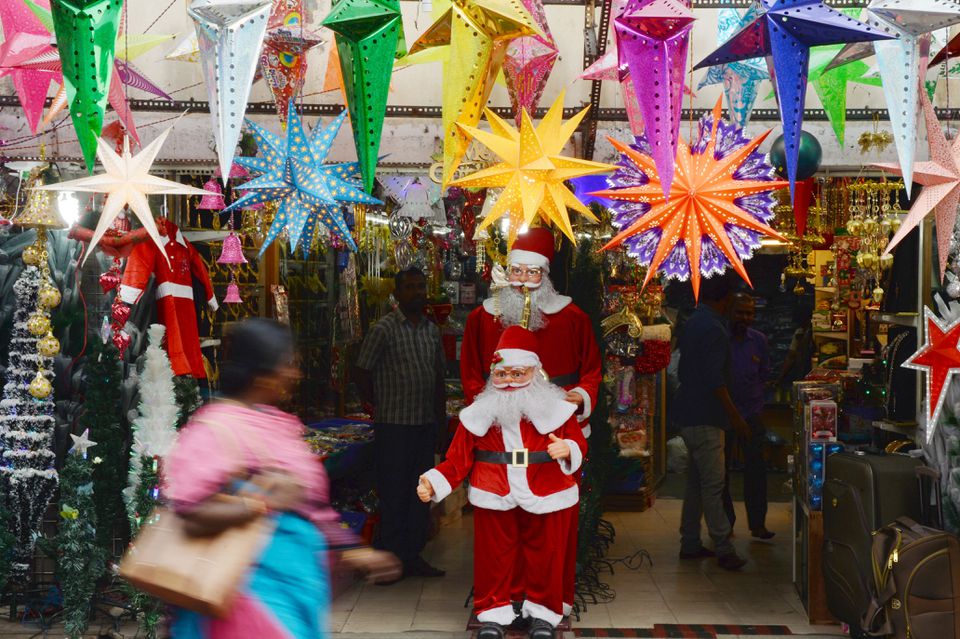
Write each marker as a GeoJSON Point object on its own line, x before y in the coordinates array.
{"type": "Point", "coordinates": [230, 35]}
{"type": "Point", "coordinates": [82, 443]}
{"type": "Point", "coordinates": [127, 183]}
{"type": "Point", "coordinates": [900, 62]}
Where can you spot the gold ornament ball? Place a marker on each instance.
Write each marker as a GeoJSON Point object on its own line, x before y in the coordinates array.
{"type": "Point", "coordinates": [870, 226]}
{"type": "Point", "coordinates": [885, 225]}
{"type": "Point", "coordinates": [38, 324]}
{"type": "Point", "coordinates": [48, 345]}
{"type": "Point", "coordinates": [32, 256]}
{"type": "Point", "coordinates": [48, 296]}
{"type": "Point", "coordinates": [877, 295]}
{"type": "Point", "coordinates": [798, 290]}
{"type": "Point", "coordinates": [853, 227]}
{"type": "Point", "coordinates": [40, 387]}
{"type": "Point", "coordinates": [895, 223]}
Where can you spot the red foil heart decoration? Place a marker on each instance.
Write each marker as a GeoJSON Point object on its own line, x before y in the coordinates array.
{"type": "Point", "coordinates": [120, 312]}
{"type": "Point", "coordinates": [109, 280]}
{"type": "Point", "coordinates": [122, 341]}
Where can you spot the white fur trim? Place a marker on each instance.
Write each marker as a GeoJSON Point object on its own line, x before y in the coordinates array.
{"type": "Point", "coordinates": [572, 465]}
{"type": "Point", "coordinates": [528, 258]}
{"type": "Point", "coordinates": [212, 303]}
{"type": "Point", "coordinates": [513, 357]}
{"type": "Point", "coordinates": [503, 615]}
{"type": "Point", "coordinates": [567, 609]}
{"type": "Point", "coordinates": [586, 430]}
{"type": "Point", "coordinates": [538, 611]}
{"type": "Point", "coordinates": [490, 306]}
{"type": "Point", "coordinates": [475, 419]}
{"type": "Point", "coordinates": [441, 487]}
{"type": "Point", "coordinates": [551, 415]}
{"type": "Point", "coordinates": [587, 404]}
{"type": "Point", "coordinates": [129, 294]}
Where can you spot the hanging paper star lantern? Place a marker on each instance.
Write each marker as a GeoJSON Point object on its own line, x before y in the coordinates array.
{"type": "Point", "coordinates": [528, 63]}
{"type": "Point", "coordinates": [25, 37]}
{"type": "Point", "coordinates": [740, 78]}
{"type": "Point", "coordinates": [784, 31]}
{"type": "Point", "coordinates": [652, 42]}
{"type": "Point", "coordinates": [531, 170]}
{"type": "Point", "coordinates": [86, 33]}
{"type": "Point", "coordinates": [283, 61]}
{"type": "Point", "coordinates": [292, 172]}
{"type": "Point", "coordinates": [719, 206]}
{"type": "Point", "coordinates": [940, 177]}
{"type": "Point", "coordinates": [127, 183]}
{"type": "Point", "coordinates": [899, 62]}
{"type": "Point", "coordinates": [939, 358]}
{"type": "Point", "coordinates": [478, 32]}
{"type": "Point", "coordinates": [230, 34]}
{"type": "Point", "coordinates": [369, 38]}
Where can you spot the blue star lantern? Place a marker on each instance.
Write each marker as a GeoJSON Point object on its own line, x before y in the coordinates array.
{"type": "Point", "coordinates": [292, 172]}
{"type": "Point", "coordinates": [784, 31]}
{"type": "Point", "coordinates": [739, 79]}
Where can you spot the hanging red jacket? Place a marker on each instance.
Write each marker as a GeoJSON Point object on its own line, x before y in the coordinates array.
{"type": "Point", "coordinates": [175, 307]}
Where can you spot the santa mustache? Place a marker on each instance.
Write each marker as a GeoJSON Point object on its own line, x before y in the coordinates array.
{"type": "Point", "coordinates": [505, 385]}
{"type": "Point", "coordinates": [530, 285]}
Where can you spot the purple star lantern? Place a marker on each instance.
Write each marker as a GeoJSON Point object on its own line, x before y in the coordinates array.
{"type": "Point", "coordinates": [652, 43]}
{"type": "Point", "coordinates": [584, 185]}
{"type": "Point", "coordinates": [528, 63]}
{"type": "Point", "coordinates": [784, 31]}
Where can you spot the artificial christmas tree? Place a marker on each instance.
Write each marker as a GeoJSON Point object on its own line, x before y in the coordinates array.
{"type": "Point", "coordinates": [27, 474]}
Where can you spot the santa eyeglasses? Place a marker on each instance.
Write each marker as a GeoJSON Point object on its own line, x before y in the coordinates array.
{"type": "Point", "coordinates": [514, 377]}
{"type": "Point", "coordinates": [529, 272]}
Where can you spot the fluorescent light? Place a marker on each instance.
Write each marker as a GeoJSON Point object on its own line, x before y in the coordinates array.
{"type": "Point", "coordinates": [69, 207]}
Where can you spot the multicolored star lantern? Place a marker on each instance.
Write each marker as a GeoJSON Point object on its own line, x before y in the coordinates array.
{"type": "Point", "coordinates": [292, 172]}
{"type": "Point", "coordinates": [478, 33]}
{"type": "Point", "coordinates": [652, 43]}
{"type": "Point", "coordinates": [369, 38]}
{"type": "Point", "coordinates": [127, 182]}
{"type": "Point", "coordinates": [899, 62]}
{"type": "Point", "coordinates": [25, 37]}
{"type": "Point", "coordinates": [531, 170]}
{"type": "Point", "coordinates": [528, 63]}
{"type": "Point", "coordinates": [86, 33]}
{"type": "Point", "coordinates": [784, 31]}
{"type": "Point", "coordinates": [283, 61]}
{"type": "Point", "coordinates": [719, 205]}
{"type": "Point", "coordinates": [939, 357]}
{"type": "Point", "coordinates": [940, 177]}
{"type": "Point", "coordinates": [230, 34]}
{"type": "Point", "coordinates": [739, 79]}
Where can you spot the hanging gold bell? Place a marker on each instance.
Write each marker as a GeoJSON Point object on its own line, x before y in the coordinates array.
{"type": "Point", "coordinates": [895, 223]}
{"type": "Point", "coordinates": [48, 346]}
{"type": "Point", "coordinates": [877, 295]}
{"type": "Point", "coordinates": [886, 261]}
{"type": "Point", "coordinates": [40, 387]}
{"type": "Point", "coordinates": [38, 324]}
{"type": "Point", "coordinates": [885, 225]}
{"type": "Point", "coordinates": [870, 226]}
{"type": "Point", "coordinates": [48, 296]}
{"type": "Point", "coordinates": [854, 226]}
{"type": "Point", "coordinates": [798, 290]}
{"type": "Point", "coordinates": [32, 256]}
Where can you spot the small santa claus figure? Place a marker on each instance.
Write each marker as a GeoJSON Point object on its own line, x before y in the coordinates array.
{"type": "Point", "coordinates": [520, 444]}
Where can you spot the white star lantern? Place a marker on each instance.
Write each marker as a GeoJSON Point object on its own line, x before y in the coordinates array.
{"type": "Point", "coordinates": [127, 182]}
{"type": "Point", "coordinates": [82, 443]}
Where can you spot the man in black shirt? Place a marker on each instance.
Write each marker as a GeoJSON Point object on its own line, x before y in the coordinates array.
{"type": "Point", "coordinates": [706, 413]}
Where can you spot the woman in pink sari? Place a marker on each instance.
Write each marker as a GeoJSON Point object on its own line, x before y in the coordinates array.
{"type": "Point", "coordinates": [265, 461]}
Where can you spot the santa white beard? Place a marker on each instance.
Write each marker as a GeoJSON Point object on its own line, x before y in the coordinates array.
{"type": "Point", "coordinates": [508, 406]}
{"type": "Point", "coordinates": [512, 300]}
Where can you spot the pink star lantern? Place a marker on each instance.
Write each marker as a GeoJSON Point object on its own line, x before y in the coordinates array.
{"type": "Point", "coordinates": [939, 357]}
{"type": "Point", "coordinates": [940, 177]}
{"type": "Point", "coordinates": [528, 63]}
{"type": "Point", "coordinates": [652, 42]}
{"type": "Point", "coordinates": [25, 37]}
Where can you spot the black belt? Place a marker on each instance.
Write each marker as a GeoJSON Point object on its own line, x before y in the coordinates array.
{"type": "Point", "coordinates": [570, 379]}
{"type": "Point", "coordinates": [519, 457]}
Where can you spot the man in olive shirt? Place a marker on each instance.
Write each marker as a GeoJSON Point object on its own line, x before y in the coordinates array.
{"type": "Point", "coordinates": [705, 413]}
{"type": "Point", "coordinates": [400, 371]}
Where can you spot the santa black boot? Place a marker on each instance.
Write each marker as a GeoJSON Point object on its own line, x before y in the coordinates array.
{"type": "Point", "coordinates": [540, 629]}
{"type": "Point", "coordinates": [491, 630]}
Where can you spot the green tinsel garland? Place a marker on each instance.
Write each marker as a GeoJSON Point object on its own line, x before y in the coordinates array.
{"type": "Point", "coordinates": [81, 560]}
{"type": "Point", "coordinates": [146, 498]}
{"type": "Point", "coordinates": [188, 397]}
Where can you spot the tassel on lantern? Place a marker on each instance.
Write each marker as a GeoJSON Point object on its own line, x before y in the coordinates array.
{"type": "Point", "coordinates": [233, 294]}
{"type": "Point", "coordinates": [212, 201]}
{"type": "Point", "coordinates": [232, 251]}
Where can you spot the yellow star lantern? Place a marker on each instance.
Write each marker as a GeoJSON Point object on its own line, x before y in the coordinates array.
{"type": "Point", "coordinates": [478, 33]}
{"type": "Point", "coordinates": [532, 171]}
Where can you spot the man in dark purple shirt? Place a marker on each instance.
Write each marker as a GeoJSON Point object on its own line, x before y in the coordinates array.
{"type": "Point", "coordinates": [749, 373]}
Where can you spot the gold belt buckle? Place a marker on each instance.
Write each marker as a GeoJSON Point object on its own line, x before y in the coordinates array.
{"type": "Point", "coordinates": [522, 454]}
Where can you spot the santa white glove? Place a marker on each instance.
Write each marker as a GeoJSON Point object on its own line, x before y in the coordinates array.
{"type": "Point", "coordinates": [425, 490]}
{"type": "Point", "coordinates": [558, 449]}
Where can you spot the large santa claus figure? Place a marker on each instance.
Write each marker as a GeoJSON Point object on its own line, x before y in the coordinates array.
{"type": "Point", "coordinates": [520, 444]}
{"type": "Point", "coordinates": [568, 346]}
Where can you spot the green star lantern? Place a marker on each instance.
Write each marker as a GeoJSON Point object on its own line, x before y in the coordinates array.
{"type": "Point", "coordinates": [369, 37]}
{"type": "Point", "coordinates": [86, 33]}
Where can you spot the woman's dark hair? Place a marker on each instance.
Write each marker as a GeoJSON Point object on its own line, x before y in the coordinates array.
{"type": "Point", "coordinates": [252, 348]}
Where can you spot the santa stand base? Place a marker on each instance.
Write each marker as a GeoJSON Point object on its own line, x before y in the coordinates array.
{"type": "Point", "coordinates": [563, 631]}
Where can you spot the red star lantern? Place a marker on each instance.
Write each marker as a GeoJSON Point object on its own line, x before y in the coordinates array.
{"type": "Point", "coordinates": [940, 358]}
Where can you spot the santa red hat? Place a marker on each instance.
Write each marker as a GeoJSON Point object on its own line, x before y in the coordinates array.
{"type": "Point", "coordinates": [517, 348]}
{"type": "Point", "coordinates": [533, 248]}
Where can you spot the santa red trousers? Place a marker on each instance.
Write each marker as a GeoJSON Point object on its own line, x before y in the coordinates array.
{"type": "Point", "coordinates": [508, 541]}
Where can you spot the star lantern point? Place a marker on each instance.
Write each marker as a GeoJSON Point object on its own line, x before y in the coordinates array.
{"type": "Point", "coordinates": [939, 358]}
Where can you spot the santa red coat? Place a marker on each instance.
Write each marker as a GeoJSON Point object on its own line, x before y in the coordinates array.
{"type": "Point", "coordinates": [174, 283]}
{"type": "Point", "coordinates": [568, 351]}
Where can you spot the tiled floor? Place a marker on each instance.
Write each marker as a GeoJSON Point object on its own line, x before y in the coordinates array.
{"type": "Point", "coordinates": [670, 592]}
